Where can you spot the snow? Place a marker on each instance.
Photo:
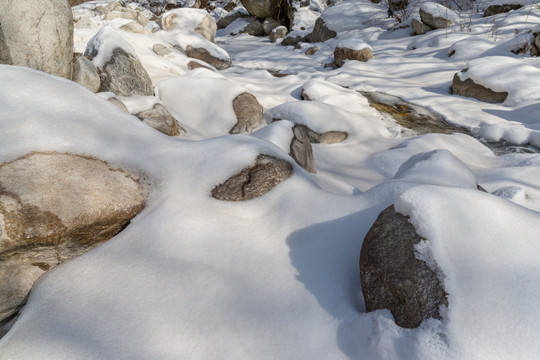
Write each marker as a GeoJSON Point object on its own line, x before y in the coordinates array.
{"type": "Point", "coordinates": [277, 277]}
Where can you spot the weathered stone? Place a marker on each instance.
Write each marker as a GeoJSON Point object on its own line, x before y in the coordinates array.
{"type": "Point", "coordinates": [37, 34]}
{"type": "Point", "coordinates": [161, 50]}
{"type": "Point", "coordinates": [124, 75]}
{"type": "Point", "coordinates": [420, 28]}
{"type": "Point", "coordinates": [248, 112]}
{"type": "Point", "coordinates": [499, 9]}
{"type": "Point", "coordinates": [278, 33]}
{"type": "Point", "coordinates": [127, 14]}
{"type": "Point", "coordinates": [321, 32]}
{"type": "Point", "coordinates": [312, 50]}
{"type": "Point", "coordinates": [160, 119]}
{"type": "Point", "coordinates": [135, 27]}
{"type": "Point", "coordinates": [207, 28]}
{"type": "Point", "coordinates": [270, 24]}
{"type": "Point", "coordinates": [204, 55]}
{"type": "Point", "coordinates": [254, 28]}
{"type": "Point", "coordinates": [471, 89]}
{"type": "Point", "coordinates": [229, 19]}
{"type": "Point", "coordinates": [436, 15]}
{"type": "Point", "coordinates": [341, 54]}
{"type": "Point", "coordinates": [393, 277]}
{"type": "Point", "coordinates": [86, 74]}
{"type": "Point", "coordinates": [255, 180]}
{"type": "Point", "coordinates": [54, 207]}
{"type": "Point", "coordinates": [262, 8]}
{"type": "Point", "coordinates": [301, 150]}
{"type": "Point", "coordinates": [293, 41]}
{"type": "Point", "coordinates": [332, 137]}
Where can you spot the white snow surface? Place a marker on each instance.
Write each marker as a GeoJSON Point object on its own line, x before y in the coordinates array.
{"type": "Point", "coordinates": [277, 277]}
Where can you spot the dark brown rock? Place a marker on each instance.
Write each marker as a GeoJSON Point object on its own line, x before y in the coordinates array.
{"type": "Point", "coordinates": [393, 278]}
{"type": "Point", "coordinates": [321, 32]}
{"type": "Point", "coordinates": [248, 112]}
{"type": "Point", "coordinates": [471, 89]}
{"type": "Point", "coordinates": [255, 180]}
{"type": "Point", "coordinates": [204, 55]}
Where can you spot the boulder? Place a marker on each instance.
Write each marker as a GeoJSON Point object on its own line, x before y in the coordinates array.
{"type": "Point", "coordinates": [129, 14]}
{"type": "Point", "coordinates": [270, 24]}
{"type": "Point", "coordinates": [37, 34]}
{"type": "Point", "coordinates": [160, 119]}
{"type": "Point", "coordinates": [204, 55]}
{"type": "Point", "coordinates": [186, 19]}
{"type": "Point", "coordinates": [254, 28]}
{"type": "Point", "coordinates": [420, 28]}
{"type": "Point", "coordinates": [255, 180]}
{"type": "Point", "coordinates": [321, 32]}
{"type": "Point", "coordinates": [394, 278]}
{"type": "Point", "coordinates": [278, 33]}
{"type": "Point", "coordinates": [161, 50]}
{"type": "Point", "coordinates": [294, 41]}
{"type": "Point", "coordinates": [86, 74]}
{"type": "Point", "coordinates": [301, 150]}
{"type": "Point", "coordinates": [332, 137]}
{"type": "Point", "coordinates": [262, 8]}
{"type": "Point", "coordinates": [342, 53]}
{"type": "Point", "coordinates": [54, 207]}
{"type": "Point", "coordinates": [471, 89]}
{"type": "Point", "coordinates": [230, 18]}
{"type": "Point", "coordinates": [248, 112]}
{"type": "Point", "coordinates": [437, 16]}
{"type": "Point", "coordinates": [499, 9]}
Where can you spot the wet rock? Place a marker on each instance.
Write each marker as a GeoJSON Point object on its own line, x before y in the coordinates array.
{"type": "Point", "coordinates": [54, 207]}
{"type": "Point", "coordinates": [86, 74]}
{"type": "Point", "coordinates": [278, 33]}
{"type": "Point", "coordinates": [342, 53]}
{"type": "Point", "coordinates": [204, 55]}
{"type": "Point", "coordinates": [321, 32]}
{"type": "Point", "coordinates": [160, 119]}
{"type": "Point", "coordinates": [393, 278]}
{"type": "Point", "coordinates": [471, 89]}
{"type": "Point", "coordinates": [248, 112]}
{"type": "Point", "coordinates": [37, 34]}
{"type": "Point", "coordinates": [255, 180]}
{"type": "Point", "coordinates": [420, 28]}
{"type": "Point", "coordinates": [499, 9]}
{"type": "Point", "coordinates": [301, 150]}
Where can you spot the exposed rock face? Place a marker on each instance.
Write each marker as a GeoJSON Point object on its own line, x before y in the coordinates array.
{"type": "Point", "coordinates": [499, 9]}
{"type": "Point", "coordinates": [420, 28]}
{"type": "Point", "coordinates": [471, 89]}
{"type": "Point", "coordinates": [436, 15]}
{"type": "Point", "coordinates": [248, 112]}
{"type": "Point", "coordinates": [204, 55]}
{"type": "Point", "coordinates": [254, 181]}
{"type": "Point", "coordinates": [160, 119]}
{"type": "Point", "coordinates": [54, 207]}
{"type": "Point", "coordinates": [124, 75]}
{"type": "Point", "coordinates": [321, 32]}
{"type": "Point", "coordinates": [342, 53]}
{"type": "Point", "coordinates": [37, 34]}
{"type": "Point", "coordinates": [393, 278]}
{"type": "Point", "coordinates": [86, 74]}
{"type": "Point", "coordinates": [262, 8]}
{"type": "Point", "coordinates": [301, 150]}
{"type": "Point", "coordinates": [278, 33]}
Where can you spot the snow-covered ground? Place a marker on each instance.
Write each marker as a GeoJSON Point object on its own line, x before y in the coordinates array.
{"type": "Point", "coordinates": [277, 277]}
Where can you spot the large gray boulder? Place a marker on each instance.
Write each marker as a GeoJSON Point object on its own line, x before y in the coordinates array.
{"type": "Point", "coordinates": [437, 16]}
{"type": "Point", "coordinates": [469, 88]}
{"type": "Point", "coordinates": [255, 180]}
{"type": "Point", "coordinates": [249, 113]}
{"type": "Point", "coordinates": [321, 32]}
{"type": "Point", "coordinates": [37, 34]}
{"type": "Point", "coordinates": [394, 278]}
{"type": "Point", "coordinates": [54, 207]}
{"type": "Point", "coordinates": [262, 8]}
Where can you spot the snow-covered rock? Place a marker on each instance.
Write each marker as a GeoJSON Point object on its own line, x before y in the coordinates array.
{"type": "Point", "coordinates": [195, 20]}
{"type": "Point", "coordinates": [352, 49]}
{"type": "Point", "coordinates": [437, 15]}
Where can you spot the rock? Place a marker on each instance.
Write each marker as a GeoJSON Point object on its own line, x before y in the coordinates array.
{"type": "Point", "coordinates": [255, 180]}
{"type": "Point", "coordinates": [420, 28]}
{"type": "Point", "coordinates": [186, 19]}
{"type": "Point", "coordinates": [127, 14]}
{"type": "Point", "coordinates": [332, 137]}
{"type": "Point", "coordinates": [393, 278]}
{"type": "Point", "coordinates": [312, 50]}
{"type": "Point", "coordinates": [204, 55]}
{"type": "Point", "coordinates": [278, 33]}
{"type": "Point", "coordinates": [77, 2]}
{"type": "Point", "coordinates": [255, 28]}
{"type": "Point", "coordinates": [293, 41]}
{"type": "Point", "coordinates": [230, 18]}
{"type": "Point", "coordinates": [160, 119]}
{"type": "Point", "coordinates": [135, 27]}
{"type": "Point", "coordinates": [195, 65]}
{"type": "Point", "coordinates": [161, 50]}
{"type": "Point", "coordinates": [343, 53]}
{"type": "Point", "coordinates": [248, 112]}
{"type": "Point", "coordinates": [262, 8]}
{"type": "Point", "coordinates": [86, 74]}
{"type": "Point", "coordinates": [119, 104]}
{"type": "Point", "coordinates": [54, 207]}
{"type": "Point", "coordinates": [471, 89]}
{"type": "Point", "coordinates": [84, 22]}
{"type": "Point", "coordinates": [436, 15]}
{"type": "Point", "coordinates": [270, 24]}
{"type": "Point", "coordinates": [301, 150]}
{"type": "Point", "coordinates": [321, 32]}
{"type": "Point", "coordinates": [499, 9]}
{"type": "Point", "coordinates": [37, 34]}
